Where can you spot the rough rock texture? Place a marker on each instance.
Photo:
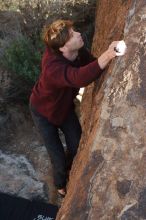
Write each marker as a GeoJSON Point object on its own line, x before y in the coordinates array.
{"type": "Point", "coordinates": [108, 178]}
{"type": "Point", "coordinates": [18, 174]}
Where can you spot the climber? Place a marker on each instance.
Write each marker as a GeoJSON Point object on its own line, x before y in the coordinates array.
{"type": "Point", "coordinates": [66, 66]}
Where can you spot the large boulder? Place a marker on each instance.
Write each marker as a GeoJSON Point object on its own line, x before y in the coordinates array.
{"type": "Point", "coordinates": [108, 178]}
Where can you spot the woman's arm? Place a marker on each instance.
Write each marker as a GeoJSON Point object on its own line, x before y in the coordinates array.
{"type": "Point", "coordinates": [108, 55]}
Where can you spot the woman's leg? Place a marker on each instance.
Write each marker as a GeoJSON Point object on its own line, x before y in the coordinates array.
{"type": "Point", "coordinates": [72, 131]}
{"type": "Point", "coordinates": [50, 135]}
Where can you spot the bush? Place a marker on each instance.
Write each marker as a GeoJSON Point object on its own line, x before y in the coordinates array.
{"type": "Point", "coordinates": [23, 58]}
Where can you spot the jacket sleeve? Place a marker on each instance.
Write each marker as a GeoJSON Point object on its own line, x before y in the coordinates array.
{"type": "Point", "coordinates": [59, 74]}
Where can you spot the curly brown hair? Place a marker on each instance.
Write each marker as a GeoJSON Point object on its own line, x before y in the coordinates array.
{"type": "Point", "coordinates": [56, 34]}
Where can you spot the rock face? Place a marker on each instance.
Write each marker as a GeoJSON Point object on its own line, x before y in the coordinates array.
{"type": "Point", "coordinates": [108, 178]}
{"type": "Point", "coordinates": [18, 174]}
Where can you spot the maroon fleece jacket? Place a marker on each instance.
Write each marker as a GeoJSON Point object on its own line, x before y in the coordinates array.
{"type": "Point", "coordinates": [59, 83]}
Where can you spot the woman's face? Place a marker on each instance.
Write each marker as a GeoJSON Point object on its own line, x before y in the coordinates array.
{"type": "Point", "coordinates": [75, 41]}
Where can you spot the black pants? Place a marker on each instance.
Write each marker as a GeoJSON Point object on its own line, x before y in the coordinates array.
{"type": "Point", "coordinates": [50, 133]}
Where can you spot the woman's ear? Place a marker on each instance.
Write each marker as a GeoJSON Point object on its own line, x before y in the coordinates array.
{"type": "Point", "coordinates": [63, 49]}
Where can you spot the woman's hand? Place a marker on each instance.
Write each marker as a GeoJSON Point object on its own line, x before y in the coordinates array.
{"type": "Point", "coordinates": [109, 54]}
